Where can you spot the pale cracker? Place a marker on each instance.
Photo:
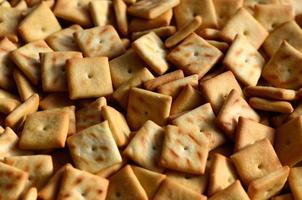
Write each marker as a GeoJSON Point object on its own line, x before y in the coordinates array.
{"type": "Point", "coordinates": [162, 32]}
{"type": "Point", "coordinates": [10, 18]}
{"type": "Point", "coordinates": [6, 94]}
{"type": "Point", "coordinates": [222, 46]}
{"type": "Point", "coordinates": [8, 105]}
{"type": "Point", "coordinates": [109, 171]}
{"type": "Point", "coordinates": [288, 196]}
{"type": "Point", "coordinates": [232, 192]}
{"type": "Point", "coordinates": [55, 100]}
{"type": "Point", "coordinates": [270, 93]}
{"type": "Point", "coordinates": [295, 183]}
{"type": "Point", "coordinates": [31, 194]}
{"type": "Point", "coordinates": [24, 87]}
{"type": "Point", "coordinates": [251, 4]}
{"type": "Point", "coordinates": [101, 12]}
{"type": "Point", "coordinates": [120, 9]}
{"type": "Point", "coordinates": [271, 105]}
{"type": "Point", "coordinates": [210, 34]}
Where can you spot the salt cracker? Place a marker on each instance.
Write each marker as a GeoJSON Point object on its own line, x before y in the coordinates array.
{"type": "Point", "coordinates": [149, 180]}
{"type": "Point", "coordinates": [173, 88]}
{"type": "Point", "coordinates": [31, 194]}
{"type": "Point", "coordinates": [288, 196]}
{"type": "Point", "coordinates": [288, 140]}
{"type": "Point", "coordinates": [8, 105]}
{"type": "Point", "coordinates": [248, 132]}
{"type": "Point", "coordinates": [151, 9]}
{"type": "Point", "coordinates": [118, 125]}
{"type": "Point", "coordinates": [6, 94]}
{"type": "Point", "coordinates": [256, 161]}
{"type": "Point", "coordinates": [270, 92]}
{"type": "Point", "coordinates": [38, 167]}
{"type": "Point", "coordinates": [139, 24]}
{"type": "Point", "coordinates": [269, 185]}
{"type": "Point", "coordinates": [271, 105]}
{"type": "Point", "coordinates": [222, 46]}
{"type": "Point", "coordinates": [101, 12]}
{"type": "Point", "coordinates": [12, 181]}
{"type": "Point", "coordinates": [148, 139]}
{"type": "Point", "coordinates": [243, 59]}
{"type": "Point", "coordinates": [124, 67]}
{"type": "Point", "coordinates": [234, 107]}
{"type": "Point", "coordinates": [242, 22]}
{"type": "Point", "coordinates": [232, 192]}
{"type": "Point", "coordinates": [162, 32]}
{"type": "Point", "coordinates": [10, 18]}
{"type": "Point", "coordinates": [184, 150]}
{"type": "Point", "coordinates": [7, 67]}
{"type": "Point", "coordinates": [40, 23]}
{"type": "Point", "coordinates": [294, 181]}
{"type": "Point", "coordinates": [125, 185]}
{"type": "Point", "coordinates": [24, 87]}
{"type": "Point", "coordinates": [109, 171]}
{"type": "Point", "coordinates": [16, 118]}
{"type": "Point", "coordinates": [297, 112]}
{"type": "Point", "coordinates": [76, 11]}
{"type": "Point", "coordinates": [145, 105]}
{"type": "Point", "coordinates": [271, 16]}
{"type": "Point", "coordinates": [120, 9]}
{"type": "Point", "coordinates": [194, 55]}
{"type": "Point", "coordinates": [126, 42]}
{"type": "Point", "coordinates": [204, 118]}
{"type": "Point", "coordinates": [63, 40]}
{"type": "Point", "coordinates": [88, 77]}
{"type": "Point", "coordinates": [55, 100]}
{"type": "Point", "coordinates": [100, 41]}
{"type": "Point", "coordinates": [28, 61]}
{"type": "Point", "coordinates": [210, 34]}
{"type": "Point", "coordinates": [170, 190]}
{"type": "Point", "coordinates": [1, 129]}
{"type": "Point", "coordinates": [289, 32]}
{"type": "Point", "coordinates": [225, 9]}
{"type": "Point", "coordinates": [281, 70]}
{"type": "Point", "coordinates": [94, 148]}
{"type": "Point", "coordinates": [217, 89]}
{"type": "Point", "coordinates": [151, 49]}
{"type": "Point", "coordinates": [251, 4]}
{"type": "Point", "coordinates": [188, 9]}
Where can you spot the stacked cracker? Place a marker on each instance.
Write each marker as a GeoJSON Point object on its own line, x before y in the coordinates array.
{"type": "Point", "coordinates": [150, 99]}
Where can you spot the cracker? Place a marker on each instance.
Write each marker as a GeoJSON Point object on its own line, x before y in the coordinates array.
{"type": "Point", "coordinates": [194, 55]}
{"type": "Point", "coordinates": [118, 125]}
{"type": "Point", "coordinates": [210, 34]}
{"type": "Point", "coordinates": [109, 171]}
{"type": "Point", "coordinates": [151, 9]}
{"type": "Point", "coordinates": [149, 180]}
{"type": "Point", "coordinates": [12, 181]}
{"type": "Point", "coordinates": [124, 67]}
{"type": "Point", "coordinates": [120, 9]}
{"type": "Point", "coordinates": [255, 161]}
{"type": "Point", "coordinates": [234, 107]}
{"type": "Point", "coordinates": [88, 77]}
{"type": "Point", "coordinates": [55, 100]}
{"type": "Point", "coordinates": [170, 190]}
{"type": "Point", "coordinates": [271, 105]}
{"type": "Point", "coordinates": [242, 22]}
{"type": "Point", "coordinates": [244, 61]}
{"type": "Point", "coordinates": [148, 139]}
{"type": "Point", "coordinates": [232, 192]}
{"type": "Point", "coordinates": [297, 112]}
{"type": "Point", "coordinates": [188, 9]}
{"type": "Point", "coordinates": [94, 148]}
{"type": "Point", "coordinates": [151, 49]}
{"type": "Point", "coordinates": [38, 167]}
{"type": "Point", "coordinates": [269, 185]}
{"type": "Point", "coordinates": [289, 32]}
{"type": "Point", "coordinates": [76, 11]}
{"type": "Point", "coordinates": [5, 94]}
{"type": "Point", "coordinates": [294, 181]}
{"type": "Point", "coordinates": [1, 129]}
{"type": "Point", "coordinates": [126, 42]}
{"type": "Point", "coordinates": [39, 24]}
{"type": "Point", "coordinates": [101, 12]}
{"type": "Point", "coordinates": [248, 132]}
{"type": "Point", "coordinates": [270, 92]}
{"type": "Point", "coordinates": [31, 194]}
{"type": "Point", "coordinates": [63, 40]}
{"type": "Point", "coordinates": [217, 89]}
{"type": "Point", "coordinates": [16, 118]}
{"type": "Point", "coordinates": [162, 32]}
{"type": "Point", "coordinates": [10, 18]}
{"type": "Point", "coordinates": [8, 105]}
{"type": "Point", "coordinates": [251, 4]}
{"type": "Point", "coordinates": [145, 105]}
{"type": "Point", "coordinates": [281, 70]}
{"type": "Point", "coordinates": [100, 41]}
{"type": "Point", "coordinates": [283, 197]}
{"type": "Point", "coordinates": [24, 87]}
{"type": "Point", "coordinates": [28, 61]}
{"type": "Point", "coordinates": [184, 149]}
{"type": "Point", "coordinates": [222, 46]}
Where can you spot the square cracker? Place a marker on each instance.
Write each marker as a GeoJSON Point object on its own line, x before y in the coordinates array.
{"type": "Point", "coordinates": [77, 184]}
{"type": "Point", "coordinates": [100, 41]}
{"type": "Point", "coordinates": [45, 130]}
{"type": "Point", "coordinates": [24, 86]}
{"type": "Point", "coordinates": [88, 77]}
{"type": "Point", "coordinates": [243, 59]}
{"type": "Point", "coordinates": [8, 105]}
{"type": "Point", "coordinates": [148, 139]}
{"type": "Point", "coordinates": [53, 70]}
{"type": "Point", "coordinates": [289, 32]}
{"type": "Point", "coordinates": [271, 105]}
{"type": "Point", "coordinates": [150, 9]}
{"type": "Point", "coordinates": [70, 110]}
{"type": "Point", "coordinates": [28, 61]}
{"type": "Point", "coordinates": [295, 182]}
{"type": "Point", "coordinates": [10, 18]}
{"type": "Point", "coordinates": [101, 12]}
{"type": "Point", "coordinates": [269, 185]}
{"type": "Point", "coordinates": [283, 69]}
{"type": "Point", "coordinates": [63, 40]}
{"type": "Point", "coordinates": [162, 32]}
{"type": "Point", "coordinates": [204, 118]}
{"type": "Point", "coordinates": [120, 9]}
{"type": "Point", "coordinates": [217, 89]}
{"type": "Point", "coordinates": [270, 93]}
{"type": "Point", "coordinates": [12, 182]}
{"type": "Point", "coordinates": [234, 107]}
{"type": "Point", "coordinates": [256, 161]}
{"type": "Point", "coordinates": [234, 191]}
{"type": "Point", "coordinates": [40, 23]}
{"type": "Point", "coordinates": [94, 148]}
{"type": "Point", "coordinates": [242, 22]}
{"type": "Point", "coordinates": [287, 196]}
{"type": "Point", "coordinates": [151, 49]}
{"type": "Point", "coordinates": [76, 11]}
{"type": "Point", "coordinates": [184, 149]}
{"type": "Point", "coordinates": [145, 105]}
{"type": "Point", "coordinates": [55, 100]}
{"type": "Point", "coordinates": [195, 55]}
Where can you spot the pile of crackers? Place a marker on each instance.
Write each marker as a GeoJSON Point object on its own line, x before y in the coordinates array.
{"type": "Point", "coordinates": [150, 99]}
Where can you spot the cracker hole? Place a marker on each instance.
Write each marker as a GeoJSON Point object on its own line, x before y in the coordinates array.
{"type": "Point", "coordinates": [79, 4]}
{"type": "Point", "coordinates": [187, 177]}
{"type": "Point", "coordinates": [83, 194]}
{"type": "Point", "coordinates": [274, 25]}
{"type": "Point", "coordinates": [245, 33]}
{"type": "Point", "coordinates": [118, 194]}
{"type": "Point", "coordinates": [146, 113]}
{"type": "Point", "coordinates": [246, 60]}
{"type": "Point", "coordinates": [93, 148]}
{"type": "Point", "coordinates": [101, 41]}
{"type": "Point", "coordinates": [186, 148]}
{"type": "Point", "coordinates": [154, 148]}
{"type": "Point", "coordinates": [1, 20]}
{"type": "Point", "coordinates": [63, 70]}
{"type": "Point", "coordinates": [90, 76]}
{"type": "Point", "coordinates": [129, 71]}
{"type": "Point", "coordinates": [260, 166]}
{"type": "Point", "coordinates": [43, 29]}
{"type": "Point", "coordinates": [230, 179]}
{"type": "Point", "coordinates": [196, 53]}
